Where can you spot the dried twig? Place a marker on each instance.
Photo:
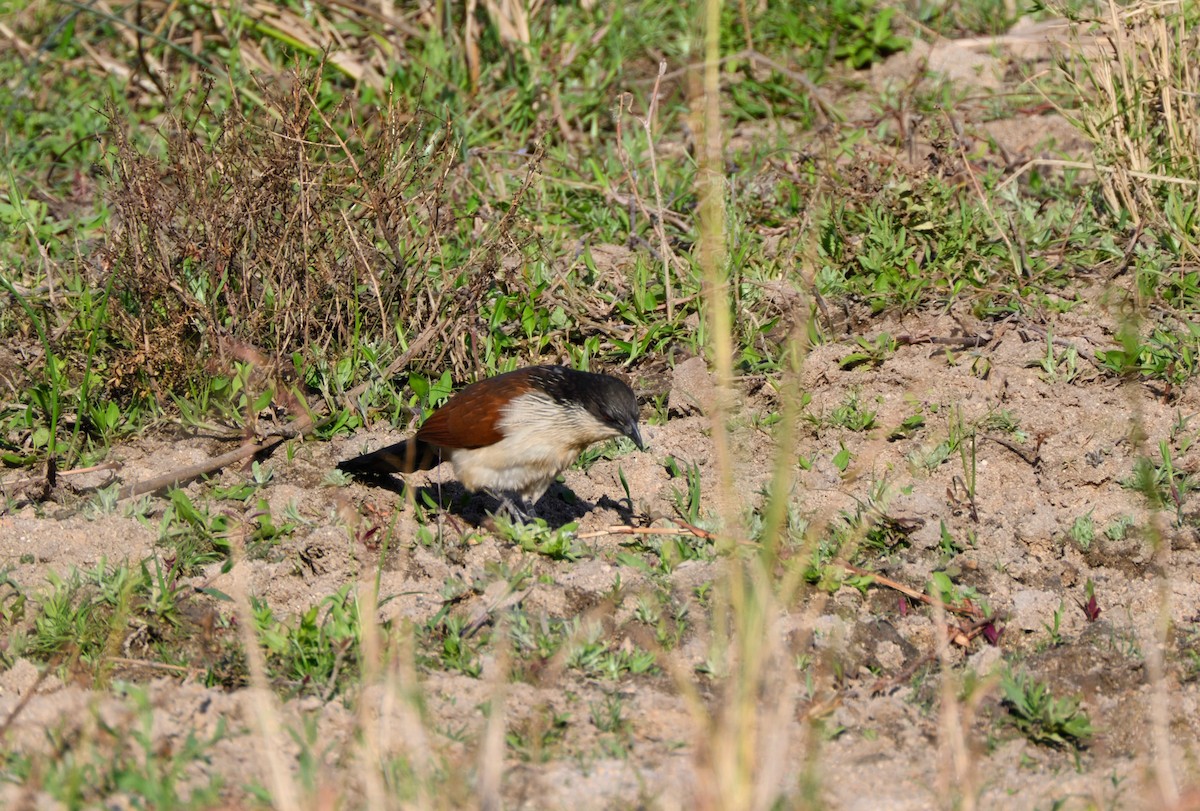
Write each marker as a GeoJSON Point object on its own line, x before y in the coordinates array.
{"type": "Point", "coordinates": [664, 254]}
{"type": "Point", "coordinates": [1030, 455]}
{"type": "Point", "coordinates": [948, 340]}
{"type": "Point", "coordinates": [695, 530]}
{"type": "Point", "coordinates": [187, 671]}
{"type": "Point", "coordinates": [961, 635]}
{"type": "Point", "coordinates": [681, 528]}
{"type": "Point", "coordinates": [76, 472]}
{"type": "Point", "coordinates": [966, 611]}
{"type": "Point", "coordinates": [182, 475]}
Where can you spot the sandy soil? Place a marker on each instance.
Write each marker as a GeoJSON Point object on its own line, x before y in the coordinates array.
{"type": "Point", "coordinates": [887, 755]}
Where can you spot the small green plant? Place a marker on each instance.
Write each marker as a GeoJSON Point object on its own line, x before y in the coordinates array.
{"type": "Point", "coordinates": [449, 645]}
{"type": "Point", "coordinates": [72, 614]}
{"type": "Point", "coordinates": [1042, 718]}
{"type": "Point", "coordinates": [429, 394]}
{"type": "Point", "coordinates": [669, 551]}
{"type": "Point", "coordinates": [947, 543]}
{"type": "Point", "coordinates": [981, 366]}
{"type": "Point", "coordinates": [592, 652]}
{"type": "Point", "coordinates": [687, 503]}
{"type": "Point", "coordinates": [852, 416]}
{"type": "Point", "coordinates": [609, 715]}
{"type": "Point", "coordinates": [865, 34]}
{"type": "Point", "coordinates": [611, 449]}
{"type": "Point", "coordinates": [1058, 367]}
{"type": "Point", "coordinates": [1002, 421]}
{"type": "Point", "coordinates": [1118, 529]}
{"type": "Point", "coordinates": [1163, 485]}
{"type": "Point", "coordinates": [908, 426]}
{"type": "Point", "coordinates": [535, 738]}
{"type": "Point", "coordinates": [841, 459]}
{"type": "Point", "coordinates": [534, 639]}
{"type": "Point", "coordinates": [105, 502]}
{"type": "Point", "coordinates": [1083, 531]}
{"type": "Point", "coordinates": [199, 534]}
{"type": "Point", "coordinates": [963, 436]}
{"type": "Point", "coordinates": [668, 628]}
{"type": "Point", "coordinates": [313, 652]}
{"type": "Point", "coordinates": [260, 476]}
{"type": "Point", "coordinates": [539, 538]}
{"type": "Point", "coordinates": [942, 587]}
{"type": "Point", "coordinates": [1052, 628]}
{"type": "Point", "coordinates": [1162, 355]}
{"type": "Point", "coordinates": [929, 457]}
{"type": "Point", "coordinates": [870, 352]}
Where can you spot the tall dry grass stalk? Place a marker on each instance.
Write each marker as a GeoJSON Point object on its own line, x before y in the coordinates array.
{"type": "Point", "coordinates": [260, 700]}
{"type": "Point", "coordinates": [957, 774]}
{"type": "Point", "coordinates": [748, 746]}
{"type": "Point", "coordinates": [648, 123]}
{"type": "Point", "coordinates": [1160, 747]}
{"type": "Point", "coordinates": [711, 180]}
{"type": "Point", "coordinates": [492, 747]}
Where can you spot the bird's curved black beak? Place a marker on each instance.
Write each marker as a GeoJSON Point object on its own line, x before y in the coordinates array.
{"type": "Point", "coordinates": [635, 435]}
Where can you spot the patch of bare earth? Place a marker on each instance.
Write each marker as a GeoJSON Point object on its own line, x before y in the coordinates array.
{"type": "Point", "coordinates": [1021, 561]}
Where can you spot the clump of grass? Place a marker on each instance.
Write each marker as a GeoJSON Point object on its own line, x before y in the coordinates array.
{"type": "Point", "coordinates": [87, 617]}
{"type": "Point", "coordinates": [92, 761]}
{"type": "Point", "coordinates": [1083, 530]}
{"type": "Point", "coordinates": [319, 651]}
{"type": "Point", "coordinates": [1041, 717]}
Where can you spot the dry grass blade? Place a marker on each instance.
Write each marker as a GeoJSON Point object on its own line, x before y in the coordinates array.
{"type": "Point", "coordinates": [511, 18]}
{"type": "Point", "coordinates": [261, 703]}
{"type": "Point", "coordinates": [666, 255]}
{"type": "Point", "coordinates": [1143, 117]}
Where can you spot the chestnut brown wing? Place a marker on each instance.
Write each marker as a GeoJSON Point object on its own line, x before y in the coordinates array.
{"type": "Point", "coordinates": [472, 417]}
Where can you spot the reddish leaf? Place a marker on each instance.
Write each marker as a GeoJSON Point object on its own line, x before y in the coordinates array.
{"type": "Point", "coordinates": [992, 634]}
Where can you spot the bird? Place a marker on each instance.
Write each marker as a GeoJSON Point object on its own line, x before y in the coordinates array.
{"type": "Point", "coordinates": [514, 433]}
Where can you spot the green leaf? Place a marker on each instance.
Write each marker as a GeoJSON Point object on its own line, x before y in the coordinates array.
{"type": "Point", "coordinates": [841, 459]}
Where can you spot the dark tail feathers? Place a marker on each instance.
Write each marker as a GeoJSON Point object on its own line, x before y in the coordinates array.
{"type": "Point", "coordinates": [403, 457]}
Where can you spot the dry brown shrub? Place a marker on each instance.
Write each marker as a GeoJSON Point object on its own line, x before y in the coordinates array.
{"type": "Point", "coordinates": [263, 231]}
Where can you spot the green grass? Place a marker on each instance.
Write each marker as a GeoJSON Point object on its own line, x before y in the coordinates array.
{"type": "Point", "coordinates": [875, 245]}
{"type": "Point", "coordinates": [216, 224]}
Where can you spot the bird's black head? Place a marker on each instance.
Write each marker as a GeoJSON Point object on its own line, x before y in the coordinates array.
{"type": "Point", "coordinates": [606, 398]}
{"type": "Point", "coordinates": [614, 404]}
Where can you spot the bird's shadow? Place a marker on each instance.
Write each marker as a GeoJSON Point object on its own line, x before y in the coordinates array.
{"type": "Point", "coordinates": [559, 506]}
